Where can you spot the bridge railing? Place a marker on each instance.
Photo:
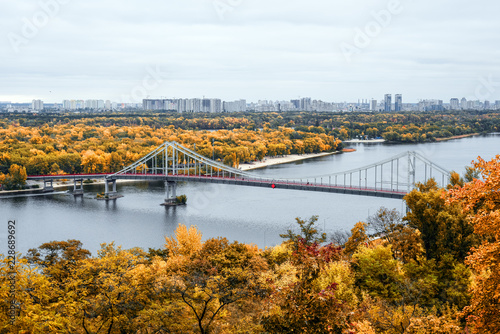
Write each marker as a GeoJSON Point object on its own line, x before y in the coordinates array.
{"type": "Point", "coordinates": [396, 174]}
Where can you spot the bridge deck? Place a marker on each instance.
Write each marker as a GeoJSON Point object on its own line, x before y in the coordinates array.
{"type": "Point", "coordinates": [257, 182]}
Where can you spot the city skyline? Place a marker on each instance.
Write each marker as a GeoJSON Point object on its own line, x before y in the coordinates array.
{"type": "Point", "coordinates": [276, 50]}
{"type": "Point", "coordinates": [216, 105]}
{"type": "Point", "coordinates": [398, 100]}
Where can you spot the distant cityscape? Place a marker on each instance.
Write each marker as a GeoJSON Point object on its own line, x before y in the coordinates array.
{"type": "Point", "coordinates": [214, 105]}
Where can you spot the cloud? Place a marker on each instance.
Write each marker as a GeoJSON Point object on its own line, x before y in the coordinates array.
{"type": "Point", "coordinates": [257, 49]}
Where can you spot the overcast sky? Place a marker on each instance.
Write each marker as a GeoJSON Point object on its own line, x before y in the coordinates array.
{"type": "Point", "coordinates": [253, 49]}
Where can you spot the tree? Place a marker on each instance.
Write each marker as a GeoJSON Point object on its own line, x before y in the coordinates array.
{"type": "Point", "coordinates": [209, 277]}
{"type": "Point", "coordinates": [377, 272]}
{"type": "Point", "coordinates": [103, 294]}
{"type": "Point", "coordinates": [58, 259]}
{"type": "Point", "coordinates": [443, 226]}
{"type": "Point", "coordinates": [357, 239]}
{"type": "Point", "coordinates": [384, 222]}
{"type": "Point", "coordinates": [36, 304]}
{"type": "Point", "coordinates": [15, 179]}
{"type": "Point", "coordinates": [480, 200]}
{"type": "Point", "coordinates": [308, 233]}
{"type": "Point", "coordinates": [311, 303]}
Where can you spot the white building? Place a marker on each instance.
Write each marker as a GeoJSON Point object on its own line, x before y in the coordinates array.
{"type": "Point", "coordinates": [235, 106]}
{"type": "Point", "coordinates": [37, 105]}
{"type": "Point", "coordinates": [463, 103]}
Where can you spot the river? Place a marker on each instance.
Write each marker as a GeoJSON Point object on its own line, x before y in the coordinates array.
{"type": "Point", "coordinates": [246, 214]}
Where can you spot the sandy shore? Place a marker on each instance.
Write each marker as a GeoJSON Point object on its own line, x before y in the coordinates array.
{"type": "Point", "coordinates": [282, 160]}
{"type": "Point", "coordinates": [457, 137]}
{"type": "Point", "coordinates": [353, 141]}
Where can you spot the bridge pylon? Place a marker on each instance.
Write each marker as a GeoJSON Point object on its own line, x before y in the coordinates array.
{"type": "Point", "coordinates": [48, 185]}
{"type": "Point", "coordinates": [170, 192]}
{"type": "Point", "coordinates": [78, 190]}
{"type": "Point", "coordinates": [107, 191]}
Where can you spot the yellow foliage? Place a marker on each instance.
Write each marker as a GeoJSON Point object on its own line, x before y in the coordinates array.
{"type": "Point", "coordinates": [364, 327]}
{"type": "Point", "coordinates": [186, 241]}
{"type": "Point", "coordinates": [339, 272]}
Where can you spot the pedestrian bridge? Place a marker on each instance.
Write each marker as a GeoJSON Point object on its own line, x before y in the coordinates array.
{"type": "Point", "coordinates": [172, 162]}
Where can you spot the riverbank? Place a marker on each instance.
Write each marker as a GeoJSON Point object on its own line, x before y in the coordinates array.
{"type": "Point", "coordinates": [11, 193]}
{"type": "Point", "coordinates": [282, 160]}
{"type": "Point", "coordinates": [364, 141]}
{"type": "Point", "coordinates": [458, 137]}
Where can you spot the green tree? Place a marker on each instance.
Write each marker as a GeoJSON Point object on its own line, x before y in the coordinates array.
{"type": "Point", "coordinates": [443, 227]}
{"type": "Point", "coordinates": [377, 272]}
{"type": "Point", "coordinates": [308, 233]}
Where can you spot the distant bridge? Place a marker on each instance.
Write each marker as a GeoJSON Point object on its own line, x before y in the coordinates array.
{"type": "Point", "coordinates": [172, 162]}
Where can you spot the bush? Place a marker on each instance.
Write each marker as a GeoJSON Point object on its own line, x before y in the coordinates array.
{"type": "Point", "coordinates": [182, 199]}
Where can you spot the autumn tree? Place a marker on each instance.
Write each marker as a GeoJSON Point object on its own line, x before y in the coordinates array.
{"type": "Point", "coordinates": [311, 302]}
{"type": "Point", "coordinates": [15, 179]}
{"type": "Point", "coordinates": [443, 227]}
{"type": "Point", "coordinates": [480, 200]}
{"type": "Point", "coordinates": [207, 278]}
{"type": "Point", "coordinates": [58, 259]}
{"type": "Point", "coordinates": [309, 234]}
{"type": "Point", "coordinates": [357, 239]}
{"type": "Point", "coordinates": [405, 241]}
{"type": "Point", "coordinates": [377, 272]}
{"type": "Point", "coordinates": [103, 295]}
{"type": "Point", "coordinates": [36, 303]}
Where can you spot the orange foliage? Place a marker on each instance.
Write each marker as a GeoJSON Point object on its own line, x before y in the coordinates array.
{"type": "Point", "coordinates": [481, 201]}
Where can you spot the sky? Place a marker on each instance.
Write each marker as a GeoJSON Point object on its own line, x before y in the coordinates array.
{"type": "Point", "coordinates": [329, 50]}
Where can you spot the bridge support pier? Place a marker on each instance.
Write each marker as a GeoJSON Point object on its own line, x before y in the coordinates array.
{"type": "Point", "coordinates": [48, 186]}
{"type": "Point", "coordinates": [106, 187]}
{"type": "Point", "coordinates": [170, 192]}
{"type": "Point", "coordinates": [78, 191]}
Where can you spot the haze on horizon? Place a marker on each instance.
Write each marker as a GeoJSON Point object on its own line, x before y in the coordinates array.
{"type": "Point", "coordinates": [278, 50]}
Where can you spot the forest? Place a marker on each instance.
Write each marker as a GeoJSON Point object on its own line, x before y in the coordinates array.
{"type": "Point", "coordinates": [434, 270]}
{"type": "Point", "coordinates": [106, 142]}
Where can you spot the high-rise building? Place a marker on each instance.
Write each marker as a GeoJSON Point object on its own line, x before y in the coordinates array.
{"type": "Point", "coordinates": [388, 102]}
{"type": "Point", "coordinates": [398, 102]}
{"type": "Point", "coordinates": [430, 105]}
{"type": "Point", "coordinates": [66, 104]}
{"type": "Point", "coordinates": [235, 106]}
{"type": "Point", "coordinates": [463, 103]}
{"type": "Point", "coordinates": [37, 105]}
{"type": "Point", "coordinates": [373, 105]}
{"type": "Point", "coordinates": [305, 104]}
{"type": "Point", "coordinates": [497, 104]}
{"type": "Point", "coordinates": [454, 104]}
{"type": "Point", "coordinates": [487, 105]}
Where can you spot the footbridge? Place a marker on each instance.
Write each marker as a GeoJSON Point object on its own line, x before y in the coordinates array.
{"type": "Point", "coordinates": [172, 162]}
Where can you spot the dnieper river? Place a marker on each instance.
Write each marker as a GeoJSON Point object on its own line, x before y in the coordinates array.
{"type": "Point", "coordinates": [246, 214]}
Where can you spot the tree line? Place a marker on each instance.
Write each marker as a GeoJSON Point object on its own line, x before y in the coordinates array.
{"type": "Point", "coordinates": [73, 148]}
{"type": "Point", "coordinates": [395, 126]}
